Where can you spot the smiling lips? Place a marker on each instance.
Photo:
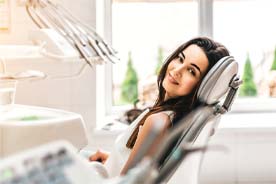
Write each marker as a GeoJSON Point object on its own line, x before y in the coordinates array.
{"type": "Point", "coordinates": [172, 80]}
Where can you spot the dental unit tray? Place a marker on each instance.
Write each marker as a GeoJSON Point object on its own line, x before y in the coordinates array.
{"type": "Point", "coordinates": [82, 37]}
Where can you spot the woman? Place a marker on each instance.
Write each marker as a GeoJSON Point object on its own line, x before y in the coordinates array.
{"type": "Point", "coordinates": [178, 82]}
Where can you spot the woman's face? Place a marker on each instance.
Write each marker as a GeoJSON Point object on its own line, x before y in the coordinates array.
{"type": "Point", "coordinates": [184, 72]}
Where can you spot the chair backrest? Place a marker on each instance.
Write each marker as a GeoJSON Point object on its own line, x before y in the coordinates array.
{"type": "Point", "coordinates": [196, 127]}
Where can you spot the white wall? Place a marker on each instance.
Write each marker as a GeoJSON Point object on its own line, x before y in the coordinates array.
{"type": "Point", "coordinates": [21, 23]}
{"type": "Point", "coordinates": [251, 143]}
{"type": "Point", "coordinates": [19, 26]}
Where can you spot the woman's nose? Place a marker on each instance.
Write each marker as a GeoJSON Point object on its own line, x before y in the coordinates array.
{"type": "Point", "coordinates": [176, 73]}
{"type": "Point", "coordinates": [178, 70]}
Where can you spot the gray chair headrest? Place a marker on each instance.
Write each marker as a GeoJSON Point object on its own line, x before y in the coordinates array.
{"type": "Point", "coordinates": [216, 82]}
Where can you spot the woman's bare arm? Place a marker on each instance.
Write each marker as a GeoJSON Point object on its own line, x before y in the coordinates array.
{"type": "Point", "coordinates": [144, 131]}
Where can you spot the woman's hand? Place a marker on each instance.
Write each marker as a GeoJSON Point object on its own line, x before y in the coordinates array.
{"type": "Point", "coordinates": [99, 156]}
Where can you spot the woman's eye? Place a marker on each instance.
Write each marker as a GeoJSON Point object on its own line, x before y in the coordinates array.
{"type": "Point", "coordinates": [192, 71]}
{"type": "Point", "coordinates": [180, 59]}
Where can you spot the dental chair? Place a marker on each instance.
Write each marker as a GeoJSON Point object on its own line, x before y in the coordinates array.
{"type": "Point", "coordinates": [220, 83]}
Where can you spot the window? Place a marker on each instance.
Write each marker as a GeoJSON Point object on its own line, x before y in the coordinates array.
{"type": "Point", "coordinates": [247, 28]}
{"type": "Point", "coordinates": [148, 30]}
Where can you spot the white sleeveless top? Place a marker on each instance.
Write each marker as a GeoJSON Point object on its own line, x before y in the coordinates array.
{"type": "Point", "coordinates": [120, 153]}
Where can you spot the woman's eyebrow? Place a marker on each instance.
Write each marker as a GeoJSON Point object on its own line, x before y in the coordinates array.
{"type": "Point", "coordinates": [196, 67]}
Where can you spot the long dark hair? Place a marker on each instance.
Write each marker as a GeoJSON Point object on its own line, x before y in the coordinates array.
{"type": "Point", "coordinates": [182, 104]}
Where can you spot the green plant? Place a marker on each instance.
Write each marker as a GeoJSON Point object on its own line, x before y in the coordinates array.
{"type": "Point", "coordinates": [159, 60]}
{"type": "Point", "coordinates": [273, 67]}
{"type": "Point", "coordinates": [129, 86]}
{"type": "Point", "coordinates": [248, 88]}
